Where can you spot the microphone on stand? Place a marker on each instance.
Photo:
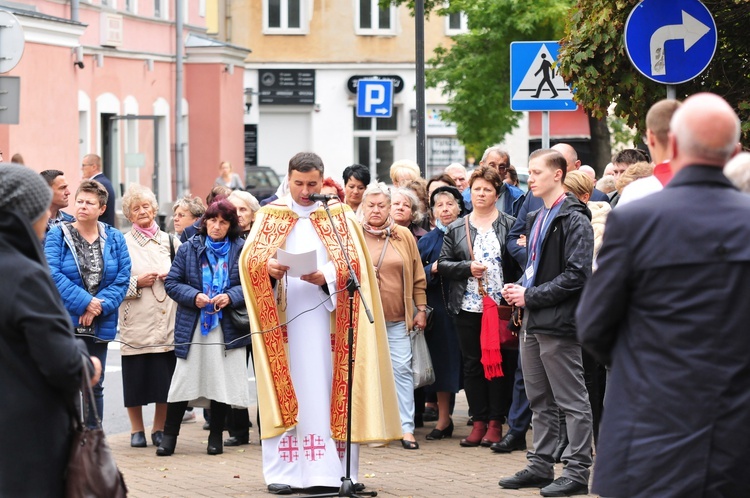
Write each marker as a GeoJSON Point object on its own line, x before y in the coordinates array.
{"type": "Point", "coordinates": [322, 197]}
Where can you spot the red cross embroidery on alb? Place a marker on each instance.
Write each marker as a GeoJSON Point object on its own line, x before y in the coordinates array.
{"type": "Point", "coordinates": [341, 449]}
{"type": "Point", "coordinates": [288, 450]}
{"type": "Point", "coordinates": [314, 447]}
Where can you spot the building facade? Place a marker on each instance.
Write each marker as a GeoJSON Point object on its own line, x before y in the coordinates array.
{"type": "Point", "coordinates": [101, 77]}
{"type": "Point", "coordinates": [300, 82]}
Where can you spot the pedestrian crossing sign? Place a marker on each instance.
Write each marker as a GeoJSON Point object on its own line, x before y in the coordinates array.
{"type": "Point", "coordinates": [535, 84]}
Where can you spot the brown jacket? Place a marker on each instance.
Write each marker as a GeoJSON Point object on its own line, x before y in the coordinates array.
{"type": "Point", "coordinates": [415, 282]}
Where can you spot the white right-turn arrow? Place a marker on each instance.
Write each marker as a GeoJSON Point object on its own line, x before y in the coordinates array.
{"type": "Point", "coordinates": [690, 31]}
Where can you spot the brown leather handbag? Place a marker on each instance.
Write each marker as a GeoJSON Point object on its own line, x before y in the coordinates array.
{"type": "Point", "coordinates": [92, 471]}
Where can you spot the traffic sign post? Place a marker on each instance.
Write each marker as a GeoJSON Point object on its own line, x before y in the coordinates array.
{"type": "Point", "coordinates": [670, 41]}
{"type": "Point", "coordinates": [535, 85]}
{"type": "Point", "coordinates": [12, 43]}
{"type": "Point", "coordinates": [374, 100]}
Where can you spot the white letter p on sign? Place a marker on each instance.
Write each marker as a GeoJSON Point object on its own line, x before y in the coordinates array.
{"type": "Point", "coordinates": [374, 96]}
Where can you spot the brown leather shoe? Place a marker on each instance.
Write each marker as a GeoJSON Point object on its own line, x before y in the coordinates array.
{"type": "Point", "coordinates": [494, 434]}
{"type": "Point", "coordinates": [478, 430]}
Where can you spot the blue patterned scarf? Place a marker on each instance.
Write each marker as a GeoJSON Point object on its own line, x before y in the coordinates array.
{"type": "Point", "coordinates": [215, 267]}
{"type": "Point", "coordinates": [439, 225]}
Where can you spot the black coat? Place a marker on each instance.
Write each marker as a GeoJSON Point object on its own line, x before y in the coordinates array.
{"type": "Point", "coordinates": [442, 338]}
{"type": "Point", "coordinates": [564, 266]}
{"type": "Point", "coordinates": [668, 308]}
{"type": "Point", "coordinates": [40, 368]}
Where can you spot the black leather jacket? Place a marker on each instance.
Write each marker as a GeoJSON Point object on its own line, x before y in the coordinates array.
{"type": "Point", "coordinates": [455, 262]}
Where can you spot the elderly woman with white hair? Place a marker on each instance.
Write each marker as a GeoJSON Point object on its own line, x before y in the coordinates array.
{"type": "Point", "coordinates": [738, 171]}
{"type": "Point", "coordinates": [405, 211]}
{"type": "Point", "coordinates": [247, 205]}
{"type": "Point", "coordinates": [399, 270]}
{"type": "Point", "coordinates": [147, 316]}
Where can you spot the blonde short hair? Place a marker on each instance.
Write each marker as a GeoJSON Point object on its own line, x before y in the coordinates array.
{"type": "Point", "coordinates": [404, 166]}
{"type": "Point", "coordinates": [136, 194]}
{"type": "Point", "coordinates": [578, 183]}
{"type": "Point", "coordinates": [635, 171]}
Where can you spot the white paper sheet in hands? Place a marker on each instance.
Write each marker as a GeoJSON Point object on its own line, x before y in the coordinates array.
{"type": "Point", "coordinates": [299, 264]}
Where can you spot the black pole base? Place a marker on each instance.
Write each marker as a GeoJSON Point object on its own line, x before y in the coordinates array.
{"type": "Point", "coordinates": [346, 489]}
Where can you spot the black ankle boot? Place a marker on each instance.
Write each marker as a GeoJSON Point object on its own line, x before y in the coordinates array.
{"type": "Point", "coordinates": [215, 445]}
{"type": "Point", "coordinates": [167, 446]}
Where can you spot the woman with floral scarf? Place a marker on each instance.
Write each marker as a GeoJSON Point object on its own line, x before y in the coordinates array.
{"type": "Point", "coordinates": [211, 368]}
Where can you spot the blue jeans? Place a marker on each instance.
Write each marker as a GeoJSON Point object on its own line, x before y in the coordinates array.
{"type": "Point", "coordinates": [98, 349]}
{"type": "Point", "coordinates": [399, 344]}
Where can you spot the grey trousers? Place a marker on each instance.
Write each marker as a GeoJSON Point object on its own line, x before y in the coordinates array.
{"type": "Point", "coordinates": [553, 376]}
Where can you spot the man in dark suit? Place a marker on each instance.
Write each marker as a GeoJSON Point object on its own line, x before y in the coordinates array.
{"type": "Point", "coordinates": [91, 168]}
{"type": "Point", "coordinates": [668, 310]}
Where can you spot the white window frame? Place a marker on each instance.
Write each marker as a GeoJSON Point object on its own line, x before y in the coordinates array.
{"type": "Point", "coordinates": [133, 7]}
{"type": "Point", "coordinates": [164, 6]}
{"type": "Point", "coordinates": [464, 28]}
{"type": "Point", "coordinates": [374, 15]}
{"type": "Point", "coordinates": [284, 29]}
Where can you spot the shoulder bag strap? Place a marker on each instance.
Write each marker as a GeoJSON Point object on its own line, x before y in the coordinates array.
{"type": "Point", "coordinates": [382, 253]}
{"type": "Point", "coordinates": [471, 252]}
{"type": "Point", "coordinates": [171, 247]}
{"type": "Point", "coordinates": [468, 237]}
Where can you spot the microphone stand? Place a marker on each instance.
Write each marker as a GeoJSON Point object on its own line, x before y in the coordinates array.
{"type": "Point", "coordinates": [352, 285]}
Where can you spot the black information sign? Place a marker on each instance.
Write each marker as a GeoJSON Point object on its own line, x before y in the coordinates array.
{"type": "Point", "coordinates": [287, 86]}
{"type": "Point", "coordinates": [398, 82]}
{"type": "Point", "coordinates": [251, 145]}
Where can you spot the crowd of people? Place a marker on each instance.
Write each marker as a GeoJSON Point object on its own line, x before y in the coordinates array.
{"type": "Point", "coordinates": [623, 291]}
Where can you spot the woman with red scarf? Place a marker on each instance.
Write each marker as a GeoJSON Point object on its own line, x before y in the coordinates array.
{"type": "Point", "coordinates": [472, 279]}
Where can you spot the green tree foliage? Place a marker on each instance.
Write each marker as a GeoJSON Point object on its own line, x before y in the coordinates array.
{"type": "Point", "coordinates": [593, 59]}
{"type": "Point", "coordinates": [475, 70]}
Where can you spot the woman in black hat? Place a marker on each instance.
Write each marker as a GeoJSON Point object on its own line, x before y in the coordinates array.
{"type": "Point", "coordinates": [446, 205]}
{"type": "Point", "coordinates": [41, 362]}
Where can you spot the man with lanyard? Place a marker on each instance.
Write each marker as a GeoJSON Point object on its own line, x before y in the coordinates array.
{"type": "Point", "coordinates": [300, 343]}
{"type": "Point", "coordinates": [560, 250]}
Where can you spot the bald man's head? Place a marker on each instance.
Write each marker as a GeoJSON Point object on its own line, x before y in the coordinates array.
{"type": "Point", "coordinates": [570, 155]}
{"type": "Point", "coordinates": [704, 130]}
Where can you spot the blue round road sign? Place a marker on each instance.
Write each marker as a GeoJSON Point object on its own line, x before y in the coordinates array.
{"type": "Point", "coordinates": [670, 41]}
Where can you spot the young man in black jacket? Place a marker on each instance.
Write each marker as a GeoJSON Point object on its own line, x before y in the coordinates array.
{"type": "Point", "coordinates": [560, 249]}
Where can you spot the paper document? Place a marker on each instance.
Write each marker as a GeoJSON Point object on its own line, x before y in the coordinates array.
{"type": "Point", "coordinates": [299, 264]}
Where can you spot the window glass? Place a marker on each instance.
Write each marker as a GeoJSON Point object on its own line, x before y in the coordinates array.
{"type": "Point", "coordinates": [293, 20]}
{"type": "Point", "coordinates": [274, 13]}
{"type": "Point", "coordinates": [365, 14]}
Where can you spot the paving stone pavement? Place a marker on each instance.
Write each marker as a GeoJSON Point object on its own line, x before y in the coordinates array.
{"type": "Point", "coordinates": [438, 468]}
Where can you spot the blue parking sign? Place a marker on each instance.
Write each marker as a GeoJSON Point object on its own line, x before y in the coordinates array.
{"type": "Point", "coordinates": [374, 98]}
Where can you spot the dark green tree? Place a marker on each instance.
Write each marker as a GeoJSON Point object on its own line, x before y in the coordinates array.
{"type": "Point", "coordinates": [593, 59]}
{"type": "Point", "coordinates": [475, 70]}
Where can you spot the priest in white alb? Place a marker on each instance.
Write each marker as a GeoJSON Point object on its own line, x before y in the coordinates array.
{"type": "Point", "coordinates": [300, 339]}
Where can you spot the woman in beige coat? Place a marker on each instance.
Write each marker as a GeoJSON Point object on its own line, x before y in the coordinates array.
{"type": "Point", "coordinates": [147, 316]}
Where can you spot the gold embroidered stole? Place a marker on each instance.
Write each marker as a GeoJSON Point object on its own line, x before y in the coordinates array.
{"type": "Point", "coordinates": [274, 230]}
{"type": "Point", "coordinates": [339, 390]}
{"type": "Point", "coordinates": [276, 224]}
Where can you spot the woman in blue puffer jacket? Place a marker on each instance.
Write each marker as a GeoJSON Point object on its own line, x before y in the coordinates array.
{"type": "Point", "coordinates": [90, 265]}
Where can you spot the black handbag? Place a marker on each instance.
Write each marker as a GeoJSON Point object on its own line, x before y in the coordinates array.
{"type": "Point", "coordinates": [238, 316]}
{"type": "Point", "coordinates": [92, 471]}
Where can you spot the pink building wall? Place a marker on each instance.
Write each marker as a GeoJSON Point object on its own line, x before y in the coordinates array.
{"type": "Point", "coordinates": [216, 137]}
{"type": "Point", "coordinates": [141, 70]}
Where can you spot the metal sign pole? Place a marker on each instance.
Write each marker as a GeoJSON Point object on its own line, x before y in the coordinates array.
{"type": "Point", "coordinates": [545, 129]}
{"type": "Point", "coordinates": [671, 91]}
{"type": "Point", "coordinates": [419, 42]}
{"type": "Point", "coordinates": [373, 148]}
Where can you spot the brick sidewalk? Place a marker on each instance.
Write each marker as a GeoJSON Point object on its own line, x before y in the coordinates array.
{"type": "Point", "coordinates": [438, 468]}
